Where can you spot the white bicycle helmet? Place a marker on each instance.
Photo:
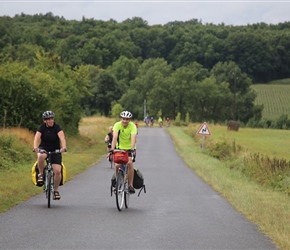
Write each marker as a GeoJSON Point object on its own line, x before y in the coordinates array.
{"type": "Point", "coordinates": [48, 114]}
{"type": "Point", "coordinates": [126, 114]}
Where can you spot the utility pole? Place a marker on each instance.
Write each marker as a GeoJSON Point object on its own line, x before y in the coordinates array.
{"type": "Point", "coordinates": [144, 108]}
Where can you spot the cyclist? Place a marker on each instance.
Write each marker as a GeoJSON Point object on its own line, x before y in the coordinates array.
{"type": "Point", "coordinates": [146, 121]}
{"type": "Point", "coordinates": [109, 138]}
{"type": "Point", "coordinates": [167, 122]}
{"type": "Point", "coordinates": [137, 125]}
{"type": "Point", "coordinates": [151, 121]}
{"type": "Point", "coordinates": [49, 136]}
{"type": "Point", "coordinates": [124, 138]}
{"type": "Point", "coordinates": [160, 122]}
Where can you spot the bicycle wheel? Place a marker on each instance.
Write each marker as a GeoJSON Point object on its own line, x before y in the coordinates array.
{"type": "Point", "coordinates": [48, 189]}
{"type": "Point", "coordinates": [126, 194]}
{"type": "Point", "coordinates": [120, 190]}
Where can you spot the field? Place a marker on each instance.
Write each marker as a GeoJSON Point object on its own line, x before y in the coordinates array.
{"type": "Point", "coordinates": [275, 98]}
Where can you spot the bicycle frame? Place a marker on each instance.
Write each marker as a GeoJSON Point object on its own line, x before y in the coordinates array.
{"type": "Point", "coordinates": [49, 183]}
{"type": "Point", "coordinates": [49, 176]}
{"type": "Point", "coordinates": [121, 190]}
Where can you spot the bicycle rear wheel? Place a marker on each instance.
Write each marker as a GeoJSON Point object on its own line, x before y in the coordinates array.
{"type": "Point", "coordinates": [120, 190]}
{"type": "Point", "coordinates": [48, 189]}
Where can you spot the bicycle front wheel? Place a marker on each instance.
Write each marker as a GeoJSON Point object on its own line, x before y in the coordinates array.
{"type": "Point", "coordinates": [126, 195]}
{"type": "Point", "coordinates": [48, 189]}
{"type": "Point", "coordinates": [120, 190]}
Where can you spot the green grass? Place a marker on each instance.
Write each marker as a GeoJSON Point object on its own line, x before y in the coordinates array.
{"type": "Point", "coordinates": [274, 97]}
{"type": "Point", "coordinates": [271, 142]}
{"type": "Point", "coordinates": [280, 81]}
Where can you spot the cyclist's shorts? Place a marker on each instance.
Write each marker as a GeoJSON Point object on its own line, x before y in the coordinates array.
{"type": "Point", "coordinates": [56, 159]}
{"type": "Point", "coordinates": [133, 155]}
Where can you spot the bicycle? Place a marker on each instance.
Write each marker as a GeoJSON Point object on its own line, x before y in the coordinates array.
{"type": "Point", "coordinates": [48, 186]}
{"type": "Point", "coordinates": [121, 186]}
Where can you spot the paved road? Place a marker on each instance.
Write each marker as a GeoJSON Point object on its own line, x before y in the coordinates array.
{"type": "Point", "coordinates": [179, 211]}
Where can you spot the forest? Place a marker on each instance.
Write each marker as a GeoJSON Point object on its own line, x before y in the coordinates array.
{"type": "Point", "coordinates": [201, 72]}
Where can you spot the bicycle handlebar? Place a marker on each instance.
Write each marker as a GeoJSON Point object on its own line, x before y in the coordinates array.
{"type": "Point", "coordinates": [43, 151]}
{"type": "Point", "coordinates": [57, 151]}
{"type": "Point", "coordinates": [132, 152]}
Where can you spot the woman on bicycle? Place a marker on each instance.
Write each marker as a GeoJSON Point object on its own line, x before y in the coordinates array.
{"type": "Point", "coordinates": [124, 138]}
{"type": "Point", "coordinates": [49, 137]}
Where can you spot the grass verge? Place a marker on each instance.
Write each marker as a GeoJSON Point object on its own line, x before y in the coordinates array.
{"type": "Point", "coordinates": [268, 209]}
{"type": "Point", "coordinates": [84, 150]}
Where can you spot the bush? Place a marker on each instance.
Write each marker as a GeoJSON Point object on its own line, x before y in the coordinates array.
{"type": "Point", "coordinates": [221, 150]}
{"type": "Point", "coordinates": [273, 173]}
{"type": "Point", "coordinates": [13, 150]}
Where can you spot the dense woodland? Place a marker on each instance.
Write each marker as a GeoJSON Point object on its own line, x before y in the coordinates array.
{"type": "Point", "coordinates": [203, 72]}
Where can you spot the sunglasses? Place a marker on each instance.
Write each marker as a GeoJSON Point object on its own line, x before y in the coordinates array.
{"type": "Point", "coordinates": [126, 119]}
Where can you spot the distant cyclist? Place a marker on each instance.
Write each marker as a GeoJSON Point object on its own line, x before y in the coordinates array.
{"type": "Point", "coordinates": [160, 122]}
{"type": "Point", "coordinates": [146, 121]}
{"type": "Point", "coordinates": [124, 138]}
{"type": "Point", "coordinates": [109, 138]}
{"type": "Point", "coordinates": [137, 125]}
{"type": "Point", "coordinates": [151, 121]}
{"type": "Point", "coordinates": [167, 122]}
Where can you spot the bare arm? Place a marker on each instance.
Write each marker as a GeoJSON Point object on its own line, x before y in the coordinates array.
{"type": "Point", "coordinates": [107, 138]}
{"type": "Point", "coordinates": [62, 139]}
{"type": "Point", "coordinates": [36, 139]}
{"type": "Point", "coordinates": [133, 141]}
{"type": "Point", "coordinates": [114, 141]}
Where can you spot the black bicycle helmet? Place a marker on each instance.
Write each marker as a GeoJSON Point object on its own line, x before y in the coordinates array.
{"type": "Point", "coordinates": [48, 114]}
{"type": "Point", "coordinates": [126, 114]}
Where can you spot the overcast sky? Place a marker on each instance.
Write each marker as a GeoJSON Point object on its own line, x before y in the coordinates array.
{"type": "Point", "coordinates": [241, 12]}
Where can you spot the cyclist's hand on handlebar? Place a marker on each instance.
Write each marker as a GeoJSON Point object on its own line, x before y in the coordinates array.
{"type": "Point", "coordinates": [36, 150]}
{"type": "Point", "coordinates": [39, 150]}
{"type": "Point", "coordinates": [63, 150]}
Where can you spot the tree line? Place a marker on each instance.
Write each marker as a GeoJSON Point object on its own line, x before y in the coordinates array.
{"type": "Point", "coordinates": [87, 67]}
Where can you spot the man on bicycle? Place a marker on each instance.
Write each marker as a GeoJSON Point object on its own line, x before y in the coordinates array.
{"type": "Point", "coordinates": [124, 138]}
{"type": "Point", "coordinates": [49, 136]}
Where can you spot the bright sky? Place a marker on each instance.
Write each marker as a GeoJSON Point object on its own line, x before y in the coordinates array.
{"type": "Point", "coordinates": [241, 12]}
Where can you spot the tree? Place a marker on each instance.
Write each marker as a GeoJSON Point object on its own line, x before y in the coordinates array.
{"type": "Point", "coordinates": [20, 102]}
{"type": "Point", "coordinates": [239, 85]}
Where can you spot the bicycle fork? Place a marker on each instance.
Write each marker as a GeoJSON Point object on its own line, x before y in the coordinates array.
{"type": "Point", "coordinates": [49, 180]}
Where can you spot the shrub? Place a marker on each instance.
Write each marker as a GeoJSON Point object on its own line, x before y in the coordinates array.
{"type": "Point", "coordinates": [273, 173]}
{"type": "Point", "coordinates": [13, 150]}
